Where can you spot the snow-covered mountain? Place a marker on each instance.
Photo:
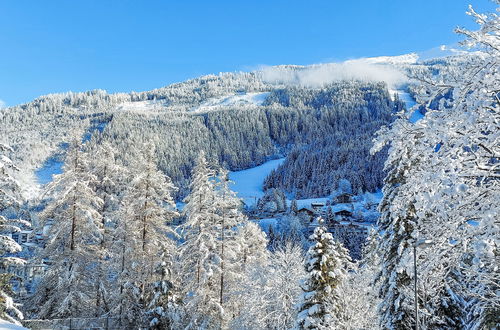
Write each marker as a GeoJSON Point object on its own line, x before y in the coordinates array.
{"type": "Point", "coordinates": [249, 117]}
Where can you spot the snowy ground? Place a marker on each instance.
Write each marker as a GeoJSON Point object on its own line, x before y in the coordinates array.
{"type": "Point", "coordinates": [248, 186]}
{"type": "Point", "coordinates": [143, 107]}
{"type": "Point", "coordinates": [248, 183]}
{"type": "Point", "coordinates": [4, 325]}
{"type": "Point", "coordinates": [51, 167]}
{"type": "Point", "coordinates": [250, 99]}
{"type": "Point", "coordinates": [410, 102]}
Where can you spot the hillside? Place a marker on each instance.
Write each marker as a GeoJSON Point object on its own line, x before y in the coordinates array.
{"type": "Point", "coordinates": [323, 126]}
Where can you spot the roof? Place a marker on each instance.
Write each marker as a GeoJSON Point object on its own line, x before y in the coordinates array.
{"type": "Point", "coordinates": [302, 209]}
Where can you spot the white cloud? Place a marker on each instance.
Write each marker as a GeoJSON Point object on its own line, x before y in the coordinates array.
{"type": "Point", "coordinates": [2, 104]}
{"type": "Point", "coordinates": [366, 69]}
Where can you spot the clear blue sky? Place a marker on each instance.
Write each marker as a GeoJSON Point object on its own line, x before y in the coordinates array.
{"type": "Point", "coordinates": [49, 46]}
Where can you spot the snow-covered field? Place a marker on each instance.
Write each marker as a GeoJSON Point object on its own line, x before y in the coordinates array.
{"type": "Point", "coordinates": [249, 99]}
{"type": "Point", "coordinates": [248, 183]}
{"type": "Point", "coordinates": [143, 107]}
{"type": "Point", "coordinates": [4, 325]}
{"type": "Point", "coordinates": [50, 168]}
{"type": "Point", "coordinates": [248, 186]}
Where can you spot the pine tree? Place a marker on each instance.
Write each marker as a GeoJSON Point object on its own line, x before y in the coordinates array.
{"type": "Point", "coordinates": [326, 266]}
{"type": "Point", "coordinates": [229, 221]}
{"type": "Point", "coordinates": [200, 254]}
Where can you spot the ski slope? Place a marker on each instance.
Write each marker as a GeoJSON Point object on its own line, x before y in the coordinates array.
{"type": "Point", "coordinates": [248, 183]}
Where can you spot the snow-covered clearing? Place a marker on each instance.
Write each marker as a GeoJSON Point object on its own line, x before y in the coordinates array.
{"type": "Point", "coordinates": [143, 107]}
{"type": "Point", "coordinates": [248, 183]}
{"type": "Point", "coordinates": [51, 167]}
{"type": "Point", "coordinates": [5, 325]}
{"type": "Point", "coordinates": [248, 186]}
{"type": "Point", "coordinates": [249, 99]}
{"type": "Point", "coordinates": [410, 103]}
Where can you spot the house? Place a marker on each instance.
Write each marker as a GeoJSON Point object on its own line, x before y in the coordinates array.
{"type": "Point", "coordinates": [317, 205]}
{"type": "Point", "coordinates": [305, 215]}
{"type": "Point", "coordinates": [343, 214]}
{"type": "Point", "coordinates": [344, 198]}
{"type": "Point", "coordinates": [23, 236]}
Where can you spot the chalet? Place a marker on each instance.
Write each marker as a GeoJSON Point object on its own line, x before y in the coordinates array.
{"type": "Point", "coordinates": [305, 211]}
{"type": "Point", "coordinates": [317, 205]}
{"type": "Point", "coordinates": [344, 198]}
{"type": "Point", "coordinates": [343, 214]}
{"type": "Point", "coordinates": [305, 215]}
{"type": "Point", "coordinates": [23, 236]}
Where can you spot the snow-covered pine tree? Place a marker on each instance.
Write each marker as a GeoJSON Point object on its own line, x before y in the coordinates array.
{"type": "Point", "coordinates": [201, 251]}
{"type": "Point", "coordinates": [144, 238]}
{"type": "Point", "coordinates": [10, 197]}
{"type": "Point", "coordinates": [360, 292]}
{"type": "Point", "coordinates": [109, 186]}
{"type": "Point", "coordinates": [326, 266]}
{"type": "Point", "coordinates": [67, 287]}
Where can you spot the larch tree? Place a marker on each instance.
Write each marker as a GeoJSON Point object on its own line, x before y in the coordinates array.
{"type": "Point", "coordinates": [109, 186]}
{"type": "Point", "coordinates": [144, 238]}
{"type": "Point", "coordinates": [71, 246]}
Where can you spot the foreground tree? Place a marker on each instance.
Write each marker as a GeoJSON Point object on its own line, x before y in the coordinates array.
{"type": "Point", "coordinates": [444, 184]}
{"type": "Point", "coordinates": [145, 241]}
{"type": "Point", "coordinates": [326, 267]}
{"type": "Point", "coordinates": [71, 250]}
{"type": "Point", "coordinates": [110, 187]}
{"type": "Point", "coordinates": [10, 197]}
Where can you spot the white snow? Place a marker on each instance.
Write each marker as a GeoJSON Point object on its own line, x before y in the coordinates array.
{"type": "Point", "coordinates": [5, 325]}
{"type": "Point", "coordinates": [248, 183]}
{"type": "Point", "coordinates": [409, 101]}
{"type": "Point", "coordinates": [143, 107]}
{"type": "Point", "coordinates": [50, 168]}
{"type": "Point", "coordinates": [249, 99]}
{"type": "Point", "coordinates": [411, 58]}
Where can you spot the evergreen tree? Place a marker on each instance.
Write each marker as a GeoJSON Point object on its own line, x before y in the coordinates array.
{"type": "Point", "coordinates": [200, 254]}
{"type": "Point", "coordinates": [109, 186]}
{"type": "Point", "coordinates": [326, 267]}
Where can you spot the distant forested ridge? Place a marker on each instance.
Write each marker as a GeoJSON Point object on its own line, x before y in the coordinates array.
{"type": "Point", "coordinates": [324, 131]}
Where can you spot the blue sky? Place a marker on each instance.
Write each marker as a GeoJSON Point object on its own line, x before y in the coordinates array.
{"type": "Point", "coordinates": [54, 46]}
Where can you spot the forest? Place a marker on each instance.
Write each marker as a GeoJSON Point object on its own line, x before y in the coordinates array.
{"type": "Point", "coordinates": [141, 230]}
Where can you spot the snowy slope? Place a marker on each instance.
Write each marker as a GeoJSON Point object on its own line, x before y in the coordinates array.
{"type": "Point", "coordinates": [411, 58]}
{"type": "Point", "coordinates": [248, 183]}
{"type": "Point", "coordinates": [4, 325]}
{"type": "Point", "coordinates": [410, 103]}
{"type": "Point", "coordinates": [249, 99]}
{"type": "Point", "coordinates": [143, 107]}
